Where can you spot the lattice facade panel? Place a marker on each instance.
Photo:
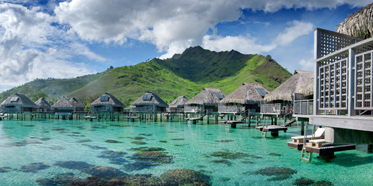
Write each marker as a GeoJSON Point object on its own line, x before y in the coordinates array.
{"type": "Point", "coordinates": [333, 85]}
{"type": "Point", "coordinates": [330, 43]}
{"type": "Point", "coordinates": [363, 81]}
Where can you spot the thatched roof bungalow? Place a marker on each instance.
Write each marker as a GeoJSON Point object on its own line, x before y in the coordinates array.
{"type": "Point", "coordinates": [107, 103]}
{"type": "Point", "coordinates": [359, 24]}
{"type": "Point", "coordinates": [63, 107]}
{"type": "Point", "coordinates": [301, 83]}
{"type": "Point", "coordinates": [207, 100]}
{"type": "Point", "coordinates": [18, 103]}
{"type": "Point", "coordinates": [43, 105]}
{"type": "Point", "coordinates": [247, 97]}
{"type": "Point", "coordinates": [149, 102]}
{"type": "Point", "coordinates": [78, 107]}
{"type": "Point", "coordinates": [299, 86]}
{"type": "Point", "coordinates": [177, 105]}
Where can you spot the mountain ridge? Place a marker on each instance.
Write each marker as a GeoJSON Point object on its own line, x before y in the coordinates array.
{"type": "Point", "coordinates": [183, 74]}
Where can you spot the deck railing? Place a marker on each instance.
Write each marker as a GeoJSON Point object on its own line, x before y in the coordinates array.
{"type": "Point", "coordinates": [276, 108]}
{"type": "Point", "coordinates": [12, 110]}
{"type": "Point", "coordinates": [176, 109]}
{"type": "Point", "coordinates": [194, 109]}
{"type": "Point", "coordinates": [231, 109]}
{"type": "Point", "coordinates": [344, 73]}
{"type": "Point", "coordinates": [303, 107]}
{"type": "Point", "coordinates": [143, 109]}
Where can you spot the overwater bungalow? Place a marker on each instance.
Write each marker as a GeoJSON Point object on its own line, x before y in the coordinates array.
{"type": "Point", "coordinates": [343, 91]}
{"type": "Point", "coordinates": [149, 102]}
{"type": "Point", "coordinates": [19, 103]}
{"type": "Point", "coordinates": [78, 107]}
{"type": "Point", "coordinates": [178, 104]}
{"type": "Point", "coordinates": [43, 105]}
{"type": "Point", "coordinates": [297, 87]}
{"type": "Point", "coordinates": [246, 99]}
{"type": "Point", "coordinates": [205, 102]}
{"type": "Point", "coordinates": [107, 103]}
{"type": "Point", "coordinates": [63, 107]}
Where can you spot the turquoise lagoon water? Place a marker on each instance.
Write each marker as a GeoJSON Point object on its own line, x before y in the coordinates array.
{"type": "Point", "coordinates": [51, 141]}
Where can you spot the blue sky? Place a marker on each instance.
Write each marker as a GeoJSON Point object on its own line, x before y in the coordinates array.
{"type": "Point", "coordinates": [64, 39]}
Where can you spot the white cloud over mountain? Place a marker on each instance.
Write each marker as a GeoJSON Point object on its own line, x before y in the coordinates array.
{"type": "Point", "coordinates": [37, 44]}
{"type": "Point", "coordinates": [173, 26]}
{"type": "Point", "coordinates": [246, 44]}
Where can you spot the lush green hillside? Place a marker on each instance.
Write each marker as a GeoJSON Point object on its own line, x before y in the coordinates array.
{"type": "Point", "coordinates": [54, 88]}
{"type": "Point", "coordinates": [184, 74]}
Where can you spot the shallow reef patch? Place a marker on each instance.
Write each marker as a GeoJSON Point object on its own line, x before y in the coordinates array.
{"type": "Point", "coordinates": [5, 169]}
{"type": "Point", "coordinates": [138, 165]}
{"type": "Point", "coordinates": [306, 181]}
{"type": "Point", "coordinates": [83, 141]}
{"type": "Point", "coordinates": [56, 148]}
{"type": "Point", "coordinates": [95, 147]}
{"type": "Point", "coordinates": [229, 155]}
{"type": "Point", "coordinates": [138, 142]}
{"type": "Point", "coordinates": [226, 162]}
{"type": "Point", "coordinates": [113, 141]}
{"type": "Point", "coordinates": [184, 177]}
{"type": "Point", "coordinates": [33, 167]}
{"type": "Point", "coordinates": [224, 141]}
{"type": "Point", "coordinates": [277, 173]}
{"type": "Point", "coordinates": [156, 157]}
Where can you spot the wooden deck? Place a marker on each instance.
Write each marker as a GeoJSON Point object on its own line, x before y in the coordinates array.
{"type": "Point", "coordinates": [274, 129]}
{"type": "Point", "coordinates": [326, 150]}
{"type": "Point", "coordinates": [132, 118]}
{"type": "Point", "coordinates": [194, 120]}
{"type": "Point", "coordinates": [234, 123]}
{"type": "Point", "coordinates": [90, 117]}
{"type": "Point", "coordinates": [270, 128]}
{"type": "Point", "coordinates": [298, 146]}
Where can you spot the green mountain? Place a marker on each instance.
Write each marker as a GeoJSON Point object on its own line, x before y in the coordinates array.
{"type": "Point", "coordinates": [183, 74]}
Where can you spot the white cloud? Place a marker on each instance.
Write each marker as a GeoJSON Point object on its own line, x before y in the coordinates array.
{"type": "Point", "coordinates": [240, 43]}
{"type": "Point", "coordinates": [307, 64]}
{"type": "Point", "coordinates": [246, 44]}
{"type": "Point", "coordinates": [172, 25]}
{"type": "Point", "coordinates": [31, 48]}
{"type": "Point", "coordinates": [297, 29]}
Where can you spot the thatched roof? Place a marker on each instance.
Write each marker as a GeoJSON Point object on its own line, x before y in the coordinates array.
{"type": "Point", "coordinates": [246, 94]}
{"type": "Point", "coordinates": [19, 99]}
{"type": "Point", "coordinates": [207, 97]}
{"type": "Point", "coordinates": [301, 82]}
{"type": "Point", "coordinates": [76, 103]}
{"type": "Point", "coordinates": [63, 103]}
{"type": "Point", "coordinates": [42, 103]}
{"type": "Point", "coordinates": [179, 102]}
{"type": "Point", "coordinates": [110, 101]}
{"type": "Point", "coordinates": [155, 100]}
{"type": "Point", "coordinates": [359, 24]}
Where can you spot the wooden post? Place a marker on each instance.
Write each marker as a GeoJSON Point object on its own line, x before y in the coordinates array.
{"type": "Point", "coordinates": [208, 119]}
{"type": "Point", "coordinates": [302, 128]}
{"type": "Point", "coordinates": [216, 118]}
{"type": "Point", "coordinates": [249, 122]}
